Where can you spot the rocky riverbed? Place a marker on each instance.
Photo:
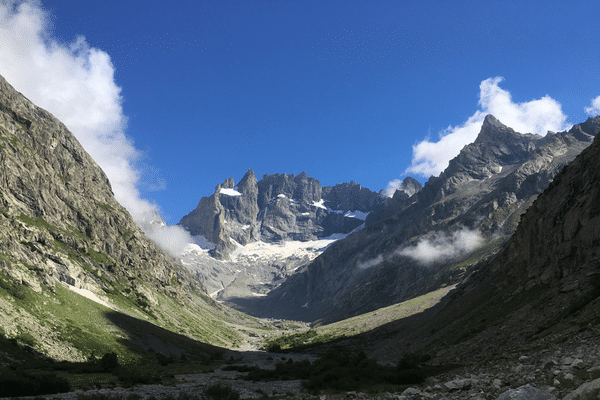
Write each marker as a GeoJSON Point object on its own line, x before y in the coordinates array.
{"type": "Point", "coordinates": [569, 370]}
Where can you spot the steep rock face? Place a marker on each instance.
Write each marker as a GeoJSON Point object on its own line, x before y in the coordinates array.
{"type": "Point", "coordinates": [277, 208]}
{"type": "Point", "coordinates": [47, 176]}
{"type": "Point", "coordinates": [542, 288]}
{"type": "Point", "coordinates": [60, 226]}
{"type": "Point", "coordinates": [350, 196]}
{"type": "Point", "coordinates": [474, 204]}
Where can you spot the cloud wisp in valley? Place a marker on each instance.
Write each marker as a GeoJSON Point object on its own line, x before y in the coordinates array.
{"type": "Point", "coordinates": [443, 246]}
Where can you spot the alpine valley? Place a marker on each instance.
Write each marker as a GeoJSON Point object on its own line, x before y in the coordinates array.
{"type": "Point", "coordinates": [483, 282]}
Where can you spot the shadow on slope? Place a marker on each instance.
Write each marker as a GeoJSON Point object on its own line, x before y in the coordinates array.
{"type": "Point", "coordinates": [142, 337]}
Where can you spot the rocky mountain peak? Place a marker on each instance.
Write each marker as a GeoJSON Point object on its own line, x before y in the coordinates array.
{"type": "Point", "coordinates": [587, 128]}
{"type": "Point", "coordinates": [351, 196]}
{"type": "Point", "coordinates": [248, 184]}
{"type": "Point", "coordinates": [498, 143]}
{"type": "Point", "coordinates": [410, 186]}
{"type": "Point", "coordinates": [301, 188]}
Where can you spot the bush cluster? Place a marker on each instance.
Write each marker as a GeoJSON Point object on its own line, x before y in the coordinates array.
{"type": "Point", "coordinates": [221, 392]}
{"type": "Point", "coordinates": [20, 383]}
{"type": "Point", "coordinates": [342, 372]}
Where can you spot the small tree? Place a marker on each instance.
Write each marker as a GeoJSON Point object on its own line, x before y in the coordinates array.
{"type": "Point", "coordinates": [109, 361]}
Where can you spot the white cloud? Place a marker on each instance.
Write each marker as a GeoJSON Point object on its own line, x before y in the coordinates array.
{"type": "Point", "coordinates": [443, 246]}
{"type": "Point", "coordinates": [75, 82]}
{"type": "Point", "coordinates": [535, 116]}
{"type": "Point", "coordinates": [594, 108]}
{"type": "Point", "coordinates": [370, 263]}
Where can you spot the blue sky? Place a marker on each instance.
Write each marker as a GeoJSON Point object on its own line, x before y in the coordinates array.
{"type": "Point", "coordinates": [189, 93]}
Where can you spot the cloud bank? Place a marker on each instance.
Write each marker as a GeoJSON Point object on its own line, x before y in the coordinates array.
{"type": "Point", "coordinates": [75, 82]}
{"type": "Point", "coordinates": [535, 116]}
{"type": "Point", "coordinates": [594, 108]}
{"type": "Point", "coordinates": [443, 246]}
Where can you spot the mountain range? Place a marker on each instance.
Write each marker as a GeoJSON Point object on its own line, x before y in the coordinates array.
{"type": "Point", "coordinates": [420, 239]}
{"type": "Point", "coordinates": [510, 231]}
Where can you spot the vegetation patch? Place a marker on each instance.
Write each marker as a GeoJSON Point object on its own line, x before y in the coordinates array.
{"type": "Point", "coordinates": [12, 289]}
{"type": "Point", "coordinates": [37, 222]}
{"type": "Point", "coordinates": [340, 372]}
{"type": "Point", "coordinates": [221, 392]}
{"type": "Point", "coordinates": [329, 334]}
{"type": "Point", "coordinates": [105, 207]}
{"type": "Point", "coordinates": [23, 383]}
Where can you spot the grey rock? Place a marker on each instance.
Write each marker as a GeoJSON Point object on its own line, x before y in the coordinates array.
{"type": "Point", "coordinates": [526, 392]}
{"type": "Point", "coordinates": [578, 363]}
{"type": "Point", "coordinates": [412, 393]}
{"type": "Point", "coordinates": [587, 391]}
{"type": "Point", "coordinates": [458, 384]}
{"type": "Point", "coordinates": [351, 196]}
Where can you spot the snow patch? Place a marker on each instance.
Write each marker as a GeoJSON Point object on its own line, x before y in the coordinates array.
{"type": "Point", "coordinates": [90, 295]}
{"type": "Point", "coordinates": [285, 249]}
{"type": "Point", "coordinates": [230, 192]}
{"type": "Point", "coordinates": [357, 214]}
{"type": "Point", "coordinates": [203, 243]}
{"type": "Point", "coordinates": [201, 246]}
{"type": "Point", "coordinates": [319, 204]}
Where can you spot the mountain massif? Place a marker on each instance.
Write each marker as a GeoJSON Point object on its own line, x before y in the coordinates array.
{"type": "Point", "coordinates": [257, 233]}
{"type": "Point", "coordinates": [64, 238]}
{"type": "Point", "coordinates": [277, 208]}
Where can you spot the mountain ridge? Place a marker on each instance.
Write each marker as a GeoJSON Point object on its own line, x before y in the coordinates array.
{"type": "Point", "coordinates": [541, 289]}
{"type": "Point", "coordinates": [483, 190]}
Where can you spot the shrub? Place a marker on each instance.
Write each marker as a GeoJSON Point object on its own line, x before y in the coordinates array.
{"type": "Point", "coordinates": [164, 360]}
{"type": "Point", "coordinates": [27, 339]}
{"type": "Point", "coordinates": [131, 375]}
{"type": "Point", "coordinates": [109, 361]}
{"type": "Point", "coordinates": [221, 392]}
{"type": "Point", "coordinates": [342, 372]}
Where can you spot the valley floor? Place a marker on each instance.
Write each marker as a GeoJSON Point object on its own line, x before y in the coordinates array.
{"type": "Point", "coordinates": [558, 371]}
